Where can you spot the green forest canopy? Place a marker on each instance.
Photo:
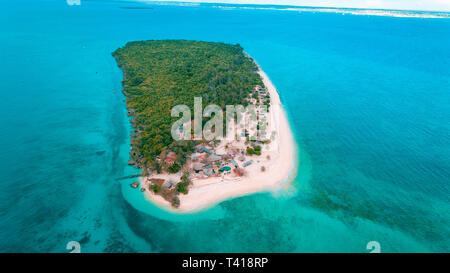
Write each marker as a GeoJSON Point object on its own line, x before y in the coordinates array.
{"type": "Point", "coordinates": [163, 73]}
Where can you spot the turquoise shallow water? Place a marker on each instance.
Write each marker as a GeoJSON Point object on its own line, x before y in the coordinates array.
{"type": "Point", "coordinates": [367, 98]}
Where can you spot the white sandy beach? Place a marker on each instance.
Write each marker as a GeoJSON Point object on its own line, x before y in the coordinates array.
{"type": "Point", "coordinates": [354, 11]}
{"type": "Point", "coordinates": [279, 166]}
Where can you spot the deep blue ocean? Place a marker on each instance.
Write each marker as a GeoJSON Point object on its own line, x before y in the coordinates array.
{"type": "Point", "coordinates": [367, 96]}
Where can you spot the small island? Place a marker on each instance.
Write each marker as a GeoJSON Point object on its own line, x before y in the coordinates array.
{"type": "Point", "coordinates": [194, 173]}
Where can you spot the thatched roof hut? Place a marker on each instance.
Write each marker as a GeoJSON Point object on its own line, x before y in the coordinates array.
{"type": "Point", "coordinates": [214, 158]}
{"type": "Point", "coordinates": [239, 171]}
{"type": "Point", "coordinates": [168, 184]}
{"type": "Point", "coordinates": [157, 181]}
{"type": "Point", "coordinates": [197, 166]}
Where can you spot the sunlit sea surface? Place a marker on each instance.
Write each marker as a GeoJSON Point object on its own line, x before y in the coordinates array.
{"type": "Point", "coordinates": [367, 98]}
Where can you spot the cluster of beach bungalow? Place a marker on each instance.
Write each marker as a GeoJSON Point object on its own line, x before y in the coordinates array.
{"type": "Point", "coordinates": [262, 94]}
{"type": "Point", "coordinates": [207, 163]}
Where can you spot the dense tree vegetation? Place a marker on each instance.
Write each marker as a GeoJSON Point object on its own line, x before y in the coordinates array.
{"type": "Point", "coordinates": [182, 187]}
{"type": "Point", "coordinates": [174, 168]}
{"type": "Point", "coordinates": [161, 74]}
{"type": "Point", "coordinates": [254, 151]}
{"type": "Point", "coordinates": [156, 188]}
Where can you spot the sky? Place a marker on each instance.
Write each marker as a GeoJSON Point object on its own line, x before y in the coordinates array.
{"type": "Point", "coordinates": [429, 5]}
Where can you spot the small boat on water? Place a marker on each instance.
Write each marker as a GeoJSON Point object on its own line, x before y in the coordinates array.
{"type": "Point", "coordinates": [135, 184]}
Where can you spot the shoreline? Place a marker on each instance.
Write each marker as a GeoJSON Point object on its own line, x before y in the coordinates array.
{"type": "Point", "coordinates": [206, 193]}
{"type": "Point", "coordinates": [396, 13]}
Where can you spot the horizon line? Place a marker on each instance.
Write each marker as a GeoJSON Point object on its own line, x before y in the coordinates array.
{"type": "Point", "coordinates": [281, 5]}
